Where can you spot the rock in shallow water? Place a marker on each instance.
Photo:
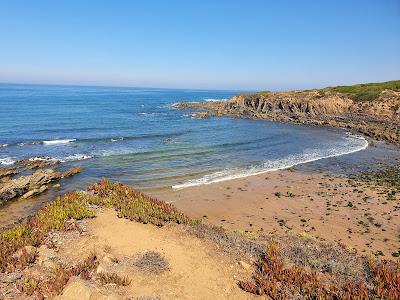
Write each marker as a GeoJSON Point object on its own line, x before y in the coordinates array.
{"type": "Point", "coordinates": [27, 186]}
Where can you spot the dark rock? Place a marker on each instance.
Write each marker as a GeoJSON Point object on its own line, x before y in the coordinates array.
{"type": "Point", "coordinates": [376, 118]}
{"type": "Point", "coordinates": [27, 186]}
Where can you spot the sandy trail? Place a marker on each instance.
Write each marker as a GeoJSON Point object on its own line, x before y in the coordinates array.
{"type": "Point", "coordinates": [197, 270]}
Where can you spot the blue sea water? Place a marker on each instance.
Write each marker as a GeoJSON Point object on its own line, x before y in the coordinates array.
{"type": "Point", "coordinates": [135, 135]}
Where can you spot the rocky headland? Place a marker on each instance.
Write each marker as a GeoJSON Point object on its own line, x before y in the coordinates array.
{"type": "Point", "coordinates": [370, 109]}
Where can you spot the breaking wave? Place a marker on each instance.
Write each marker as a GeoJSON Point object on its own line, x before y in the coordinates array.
{"type": "Point", "coordinates": [57, 142]}
{"type": "Point", "coordinates": [6, 161]}
{"type": "Point", "coordinates": [274, 165]}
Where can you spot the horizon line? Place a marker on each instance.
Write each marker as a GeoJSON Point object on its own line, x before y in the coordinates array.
{"type": "Point", "coordinates": [121, 86]}
{"type": "Point", "coordinates": [179, 88]}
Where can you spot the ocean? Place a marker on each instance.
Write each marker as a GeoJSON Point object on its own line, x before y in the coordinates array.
{"type": "Point", "coordinates": [136, 136]}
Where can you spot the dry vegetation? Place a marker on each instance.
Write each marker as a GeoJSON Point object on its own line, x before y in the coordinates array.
{"type": "Point", "coordinates": [54, 285]}
{"type": "Point", "coordinates": [152, 262]}
{"type": "Point", "coordinates": [53, 216]}
{"type": "Point", "coordinates": [107, 278]}
{"type": "Point", "coordinates": [275, 279]}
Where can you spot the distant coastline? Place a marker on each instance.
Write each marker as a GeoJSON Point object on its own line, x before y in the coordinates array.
{"type": "Point", "coordinates": [370, 109]}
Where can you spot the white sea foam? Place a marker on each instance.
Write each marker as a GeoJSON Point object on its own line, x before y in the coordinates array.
{"type": "Point", "coordinates": [29, 143]}
{"type": "Point", "coordinates": [114, 152]}
{"type": "Point", "coordinates": [192, 116]}
{"type": "Point", "coordinates": [6, 161]}
{"type": "Point", "coordinates": [42, 158]}
{"type": "Point", "coordinates": [149, 114]}
{"type": "Point", "coordinates": [75, 157]}
{"type": "Point", "coordinates": [3, 145]}
{"type": "Point", "coordinates": [57, 142]}
{"type": "Point", "coordinates": [215, 100]}
{"type": "Point", "coordinates": [274, 165]}
{"type": "Point", "coordinates": [117, 139]}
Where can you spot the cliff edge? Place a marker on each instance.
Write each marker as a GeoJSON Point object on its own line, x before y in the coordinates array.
{"type": "Point", "coordinates": [371, 109]}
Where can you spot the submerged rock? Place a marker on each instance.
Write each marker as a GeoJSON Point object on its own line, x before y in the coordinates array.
{"type": "Point", "coordinates": [37, 162]}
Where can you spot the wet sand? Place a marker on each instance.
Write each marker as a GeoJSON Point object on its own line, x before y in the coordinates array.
{"type": "Point", "coordinates": [309, 203]}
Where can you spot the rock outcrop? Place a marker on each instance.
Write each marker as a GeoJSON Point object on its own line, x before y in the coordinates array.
{"type": "Point", "coordinates": [379, 118]}
{"type": "Point", "coordinates": [30, 185]}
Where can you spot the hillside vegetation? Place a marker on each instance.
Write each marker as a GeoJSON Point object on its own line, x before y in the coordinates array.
{"type": "Point", "coordinates": [367, 91]}
{"type": "Point", "coordinates": [357, 92]}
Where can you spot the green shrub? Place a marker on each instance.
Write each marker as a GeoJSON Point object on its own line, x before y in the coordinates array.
{"type": "Point", "coordinates": [368, 91]}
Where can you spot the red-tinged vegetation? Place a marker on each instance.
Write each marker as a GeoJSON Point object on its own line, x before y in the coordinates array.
{"type": "Point", "coordinates": [272, 279]}
{"type": "Point", "coordinates": [53, 216]}
{"type": "Point", "coordinates": [136, 206]}
{"type": "Point", "coordinates": [58, 214]}
{"type": "Point", "coordinates": [386, 280]}
{"type": "Point", "coordinates": [54, 285]}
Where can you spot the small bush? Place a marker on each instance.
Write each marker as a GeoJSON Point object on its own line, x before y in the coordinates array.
{"type": "Point", "coordinates": [106, 278]}
{"type": "Point", "coordinates": [152, 262]}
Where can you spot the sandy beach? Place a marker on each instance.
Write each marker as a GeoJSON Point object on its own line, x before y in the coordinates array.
{"type": "Point", "coordinates": [320, 205]}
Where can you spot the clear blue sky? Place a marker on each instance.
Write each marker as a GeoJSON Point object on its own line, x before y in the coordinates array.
{"type": "Point", "coordinates": [269, 45]}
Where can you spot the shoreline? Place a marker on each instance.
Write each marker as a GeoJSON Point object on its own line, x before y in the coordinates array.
{"type": "Point", "coordinates": [376, 155]}
{"type": "Point", "coordinates": [377, 115]}
{"type": "Point", "coordinates": [200, 181]}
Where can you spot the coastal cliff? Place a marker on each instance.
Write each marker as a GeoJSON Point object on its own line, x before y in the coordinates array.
{"type": "Point", "coordinates": [370, 109]}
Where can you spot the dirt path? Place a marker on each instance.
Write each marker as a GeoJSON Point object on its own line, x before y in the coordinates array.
{"type": "Point", "coordinates": [196, 269]}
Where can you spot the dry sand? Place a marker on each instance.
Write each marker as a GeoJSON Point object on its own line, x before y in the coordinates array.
{"type": "Point", "coordinates": [317, 204]}
{"type": "Point", "coordinates": [196, 269]}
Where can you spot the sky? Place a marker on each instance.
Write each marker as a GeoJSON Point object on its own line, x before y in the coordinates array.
{"type": "Point", "coordinates": [218, 44]}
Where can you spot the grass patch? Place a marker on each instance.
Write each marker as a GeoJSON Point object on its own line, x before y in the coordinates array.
{"type": "Point", "coordinates": [357, 92]}
{"type": "Point", "coordinates": [367, 91]}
